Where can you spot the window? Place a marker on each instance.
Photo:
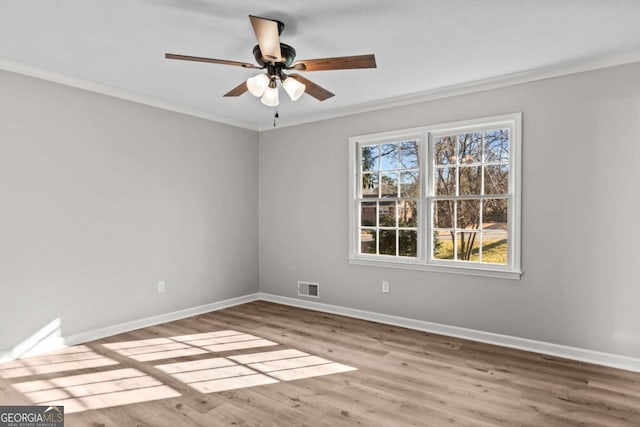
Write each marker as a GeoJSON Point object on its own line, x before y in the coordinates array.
{"type": "Point", "coordinates": [443, 198]}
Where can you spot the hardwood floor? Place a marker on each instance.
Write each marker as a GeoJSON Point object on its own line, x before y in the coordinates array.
{"type": "Point", "coordinates": [264, 364]}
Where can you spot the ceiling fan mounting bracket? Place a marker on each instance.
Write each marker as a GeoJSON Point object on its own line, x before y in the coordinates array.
{"type": "Point", "coordinates": [280, 26]}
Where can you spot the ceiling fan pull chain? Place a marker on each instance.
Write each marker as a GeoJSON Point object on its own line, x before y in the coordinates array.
{"type": "Point", "coordinates": [275, 116]}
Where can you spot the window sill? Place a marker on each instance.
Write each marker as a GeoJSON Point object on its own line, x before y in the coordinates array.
{"type": "Point", "coordinates": [412, 265]}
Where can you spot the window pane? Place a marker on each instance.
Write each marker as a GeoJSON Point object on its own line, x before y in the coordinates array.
{"type": "Point", "coordinates": [445, 181]}
{"type": "Point", "coordinates": [408, 243]}
{"type": "Point", "coordinates": [495, 247]}
{"type": "Point", "coordinates": [387, 242]}
{"type": "Point", "coordinates": [387, 214]}
{"type": "Point", "coordinates": [370, 158]}
{"type": "Point", "coordinates": [468, 212]}
{"type": "Point", "coordinates": [367, 241]}
{"type": "Point", "coordinates": [496, 145]}
{"type": "Point", "coordinates": [470, 180]}
{"type": "Point", "coordinates": [409, 155]}
{"type": "Point", "coordinates": [389, 184]}
{"type": "Point", "coordinates": [389, 156]}
{"type": "Point", "coordinates": [407, 213]}
{"type": "Point", "coordinates": [389, 171]}
{"type": "Point", "coordinates": [370, 185]}
{"type": "Point", "coordinates": [496, 179]}
{"type": "Point", "coordinates": [444, 150]}
{"type": "Point", "coordinates": [494, 214]}
{"type": "Point", "coordinates": [470, 147]}
{"type": "Point", "coordinates": [368, 213]}
{"type": "Point", "coordinates": [442, 245]}
{"type": "Point", "coordinates": [443, 214]}
{"type": "Point", "coordinates": [409, 184]}
{"type": "Point", "coordinates": [468, 246]}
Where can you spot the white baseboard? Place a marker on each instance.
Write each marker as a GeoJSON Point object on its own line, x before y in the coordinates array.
{"type": "Point", "coordinates": [55, 341]}
{"type": "Point", "coordinates": [574, 353]}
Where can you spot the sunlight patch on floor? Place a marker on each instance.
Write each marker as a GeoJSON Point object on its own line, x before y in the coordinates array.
{"type": "Point", "coordinates": [96, 390]}
{"type": "Point", "coordinates": [232, 383]}
{"type": "Point", "coordinates": [187, 345]}
{"type": "Point", "coordinates": [116, 387]}
{"type": "Point", "coordinates": [266, 356]}
{"type": "Point", "coordinates": [72, 358]}
{"type": "Point", "coordinates": [154, 349]}
{"type": "Point", "coordinates": [248, 370]}
{"type": "Point", "coordinates": [311, 371]}
{"type": "Point", "coordinates": [224, 341]}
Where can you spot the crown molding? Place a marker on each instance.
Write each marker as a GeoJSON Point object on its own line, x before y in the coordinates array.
{"type": "Point", "coordinates": [542, 73]}
{"type": "Point", "coordinates": [557, 70]}
{"type": "Point", "coordinates": [103, 89]}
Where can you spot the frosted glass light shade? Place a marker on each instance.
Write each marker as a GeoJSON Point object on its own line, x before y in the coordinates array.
{"type": "Point", "coordinates": [270, 97]}
{"type": "Point", "coordinates": [294, 88]}
{"type": "Point", "coordinates": [258, 84]}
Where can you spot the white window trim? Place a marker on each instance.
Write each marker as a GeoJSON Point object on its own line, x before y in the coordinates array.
{"type": "Point", "coordinates": [422, 262]}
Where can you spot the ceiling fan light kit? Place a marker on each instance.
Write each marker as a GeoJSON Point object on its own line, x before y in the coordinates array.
{"type": "Point", "coordinates": [276, 58]}
{"type": "Point", "coordinates": [258, 84]}
{"type": "Point", "coordinates": [294, 88]}
{"type": "Point", "coordinates": [270, 96]}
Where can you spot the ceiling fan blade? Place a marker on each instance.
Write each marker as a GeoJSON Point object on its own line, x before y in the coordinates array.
{"type": "Point", "coordinates": [212, 60]}
{"type": "Point", "coordinates": [318, 92]}
{"type": "Point", "coordinates": [339, 63]}
{"type": "Point", "coordinates": [238, 90]}
{"type": "Point", "coordinates": [268, 37]}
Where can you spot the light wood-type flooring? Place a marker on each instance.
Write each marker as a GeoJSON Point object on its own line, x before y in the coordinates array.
{"type": "Point", "coordinates": [264, 364]}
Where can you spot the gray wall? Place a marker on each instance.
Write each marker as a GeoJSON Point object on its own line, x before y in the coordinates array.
{"type": "Point", "coordinates": [580, 238]}
{"type": "Point", "coordinates": [101, 198]}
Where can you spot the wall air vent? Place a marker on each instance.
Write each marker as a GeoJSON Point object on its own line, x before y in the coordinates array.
{"type": "Point", "coordinates": [308, 289]}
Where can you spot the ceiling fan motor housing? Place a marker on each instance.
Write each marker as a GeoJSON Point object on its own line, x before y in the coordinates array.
{"type": "Point", "coordinates": [287, 52]}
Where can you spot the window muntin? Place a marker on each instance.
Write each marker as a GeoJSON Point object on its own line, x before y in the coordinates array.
{"type": "Point", "coordinates": [388, 198]}
{"type": "Point", "coordinates": [467, 194]}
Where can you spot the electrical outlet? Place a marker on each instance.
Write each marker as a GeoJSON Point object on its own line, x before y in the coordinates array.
{"type": "Point", "coordinates": [161, 286]}
{"type": "Point", "coordinates": [385, 286]}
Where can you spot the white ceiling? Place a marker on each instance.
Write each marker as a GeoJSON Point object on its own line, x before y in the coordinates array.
{"type": "Point", "coordinates": [420, 46]}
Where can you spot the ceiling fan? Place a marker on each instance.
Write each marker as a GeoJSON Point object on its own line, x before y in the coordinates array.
{"type": "Point", "coordinates": [277, 58]}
